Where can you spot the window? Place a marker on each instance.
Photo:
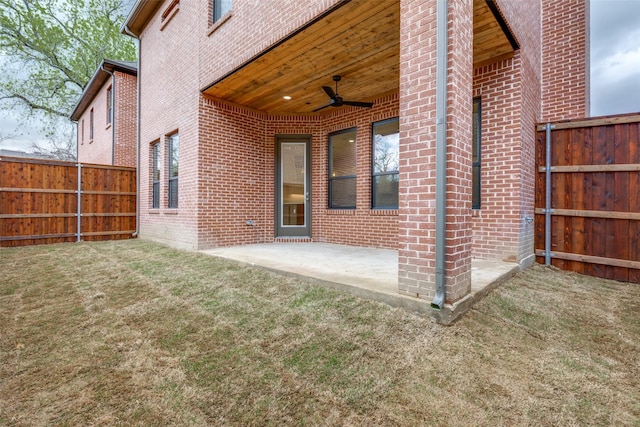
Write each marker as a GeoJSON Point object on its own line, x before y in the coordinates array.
{"type": "Point", "coordinates": [342, 169]}
{"type": "Point", "coordinates": [169, 13]}
{"type": "Point", "coordinates": [91, 125]}
{"type": "Point", "coordinates": [109, 106]}
{"type": "Point", "coordinates": [220, 8]}
{"type": "Point", "coordinates": [475, 157]}
{"type": "Point", "coordinates": [173, 155]}
{"type": "Point", "coordinates": [155, 172]}
{"type": "Point", "coordinates": [386, 163]}
{"type": "Point", "coordinates": [172, 8]}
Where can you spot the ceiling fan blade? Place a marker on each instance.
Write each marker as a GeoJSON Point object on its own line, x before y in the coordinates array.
{"type": "Point", "coordinates": [358, 104]}
{"type": "Point", "coordinates": [329, 92]}
{"type": "Point", "coordinates": [324, 106]}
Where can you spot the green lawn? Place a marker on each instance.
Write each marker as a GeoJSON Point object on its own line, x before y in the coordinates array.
{"type": "Point", "coordinates": [134, 333]}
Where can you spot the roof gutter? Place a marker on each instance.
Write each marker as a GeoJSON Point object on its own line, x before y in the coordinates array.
{"type": "Point", "coordinates": [93, 86]}
{"type": "Point", "coordinates": [79, 105]}
{"type": "Point", "coordinates": [127, 31]}
{"type": "Point", "coordinates": [139, 16]}
{"type": "Point", "coordinates": [441, 152]}
{"type": "Point", "coordinates": [77, 137]}
{"type": "Point", "coordinates": [133, 13]}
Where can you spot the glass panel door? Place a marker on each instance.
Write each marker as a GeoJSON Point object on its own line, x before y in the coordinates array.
{"type": "Point", "coordinates": [293, 188]}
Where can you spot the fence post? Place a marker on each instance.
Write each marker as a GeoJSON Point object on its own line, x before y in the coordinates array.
{"type": "Point", "coordinates": [547, 207]}
{"type": "Point", "coordinates": [79, 215]}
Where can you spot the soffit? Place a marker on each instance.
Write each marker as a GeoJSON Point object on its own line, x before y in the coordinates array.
{"type": "Point", "coordinates": [492, 37]}
{"type": "Point", "coordinates": [359, 41]}
{"type": "Point", "coordinates": [140, 15]}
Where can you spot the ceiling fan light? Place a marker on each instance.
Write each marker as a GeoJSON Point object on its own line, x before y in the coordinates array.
{"type": "Point", "coordinates": [337, 101]}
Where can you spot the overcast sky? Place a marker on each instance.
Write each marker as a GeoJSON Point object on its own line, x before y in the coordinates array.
{"type": "Point", "coordinates": [615, 66]}
{"type": "Point", "coordinates": [615, 57]}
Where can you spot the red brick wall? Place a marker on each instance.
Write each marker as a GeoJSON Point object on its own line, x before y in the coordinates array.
{"type": "Point", "coordinates": [169, 103]}
{"type": "Point", "coordinates": [178, 57]}
{"type": "Point", "coordinates": [125, 113]}
{"type": "Point", "coordinates": [227, 152]}
{"type": "Point", "coordinates": [510, 93]}
{"type": "Point", "coordinates": [417, 230]}
{"type": "Point", "coordinates": [416, 222]}
{"type": "Point", "coordinates": [496, 225]}
{"type": "Point", "coordinates": [565, 59]}
{"type": "Point", "coordinates": [530, 113]}
{"type": "Point", "coordinates": [459, 141]}
{"type": "Point", "coordinates": [99, 149]}
{"type": "Point", "coordinates": [236, 181]}
{"type": "Point", "coordinates": [218, 194]}
{"type": "Point", "coordinates": [363, 226]}
{"type": "Point", "coordinates": [232, 179]}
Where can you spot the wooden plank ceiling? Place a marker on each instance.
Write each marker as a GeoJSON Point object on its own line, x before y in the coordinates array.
{"type": "Point", "coordinates": [359, 41]}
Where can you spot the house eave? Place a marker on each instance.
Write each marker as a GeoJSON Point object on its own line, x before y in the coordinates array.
{"type": "Point", "coordinates": [97, 81]}
{"type": "Point", "coordinates": [139, 17]}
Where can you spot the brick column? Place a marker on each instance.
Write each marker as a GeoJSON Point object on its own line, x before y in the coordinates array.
{"type": "Point", "coordinates": [416, 256]}
{"type": "Point", "coordinates": [565, 59]}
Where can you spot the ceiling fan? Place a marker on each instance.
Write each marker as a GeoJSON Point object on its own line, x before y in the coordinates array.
{"type": "Point", "coordinates": [337, 101]}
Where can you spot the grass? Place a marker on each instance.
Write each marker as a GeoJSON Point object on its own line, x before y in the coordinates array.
{"type": "Point", "coordinates": [133, 333]}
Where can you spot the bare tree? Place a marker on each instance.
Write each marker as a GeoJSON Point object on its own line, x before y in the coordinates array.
{"type": "Point", "coordinates": [60, 144]}
{"type": "Point", "coordinates": [386, 155]}
{"type": "Point", "coordinates": [4, 137]}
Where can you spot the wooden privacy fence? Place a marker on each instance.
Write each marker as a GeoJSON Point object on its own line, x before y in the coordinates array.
{"type": "Point", "coordinates": [587, 196]}
{"type": "Point", "coordinates": [44, 201]}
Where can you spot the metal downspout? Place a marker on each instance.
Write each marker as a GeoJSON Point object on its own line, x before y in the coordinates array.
{"type": "Point", "coordinates": [113, 115]}
{"type": "Point", "coordinates": [441, 153]}
{"type": "Point", "coordinates": [137, 39]}
{"type": "Point", "coordinates": [79, 205]}
{"type": "Point", "coordinates": [77, 138]}
{"type": "Point", "coordinates": [547, 198]}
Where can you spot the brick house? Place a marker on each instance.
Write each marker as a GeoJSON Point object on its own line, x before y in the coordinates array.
{"type": "Point", "coordinates": [106, 115]}
{"type": "Point", "coordinates": [439, 167]}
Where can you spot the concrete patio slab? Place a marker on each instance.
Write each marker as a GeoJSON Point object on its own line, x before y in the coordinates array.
{"type": "Point", "coordinates": [364, 272]}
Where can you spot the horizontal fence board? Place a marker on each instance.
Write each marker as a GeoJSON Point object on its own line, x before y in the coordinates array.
{"type": "Point", "coordinates": [49, 215]}
{"type": "Point", "coordinates": [592, 214]}
{"type": "Point", "coordinates": [38, 236]}
{"type": "Point", "coordinates": [107, 233]}
{"type": "Point", "coordinates": [109, 193]}
{"type": "Point", "coordinates": [89, 215]}
{"type": "Point", "coordinates": [592, 168]}
{"type": "Point", "coordinates": [598, 121]}
{"type": "Point", "coordinates": [614, 262]}
{"type": "Point", "coordinates": [67, 215]}
{"type": "Point", "coordinates": [25, 160]}
{"type": "Point", "coordinates": [108, 167]}
{"type": "Point", "coordinates": [39, 190]}
{"type": "Point", "coordinates": [39, 201]}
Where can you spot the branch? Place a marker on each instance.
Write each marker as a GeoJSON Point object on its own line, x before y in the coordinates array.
{"type": "Point", "coordinates": [53, 47]}
{"type": "Point", "coordinates": [33, 105]}
{"type": "Point", "coordinates": [7, 137]}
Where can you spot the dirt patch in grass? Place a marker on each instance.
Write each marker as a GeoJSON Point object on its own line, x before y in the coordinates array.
{"type": "Point", "coordinates": [133, 333]}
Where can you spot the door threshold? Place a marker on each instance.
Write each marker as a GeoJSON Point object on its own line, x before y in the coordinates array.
{"type": "Point", "coordinates": [293, 239]}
